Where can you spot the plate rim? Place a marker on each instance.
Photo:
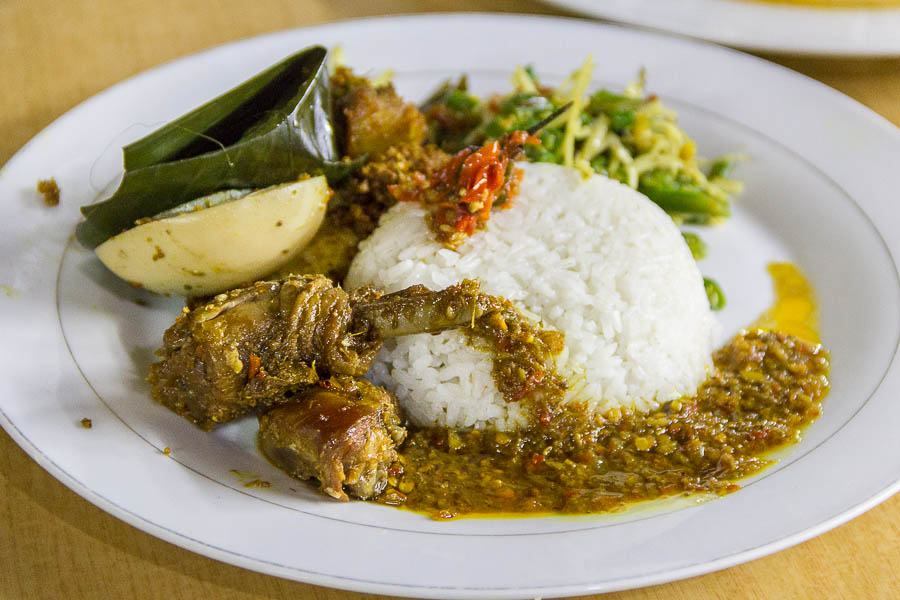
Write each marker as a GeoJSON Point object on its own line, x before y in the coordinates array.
{"type": "Point", "coordinates": [229, 557]}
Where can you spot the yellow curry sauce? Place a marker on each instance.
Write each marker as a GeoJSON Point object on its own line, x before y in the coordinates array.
{"type": "Point", "coordinates": [765, 386]}
{"type": "Point", "coordinates": [794, 310]}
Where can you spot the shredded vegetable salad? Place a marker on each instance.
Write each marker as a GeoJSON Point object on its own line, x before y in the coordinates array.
{"type": "Point", "coordinates": [629, 136]}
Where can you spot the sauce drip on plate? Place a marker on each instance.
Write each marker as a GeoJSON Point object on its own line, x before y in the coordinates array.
{"type": "Point", "coordinates": [794, 310]}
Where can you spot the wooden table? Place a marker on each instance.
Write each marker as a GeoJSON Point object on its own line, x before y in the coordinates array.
{"type": "Point", "coordinates": [53, 544]}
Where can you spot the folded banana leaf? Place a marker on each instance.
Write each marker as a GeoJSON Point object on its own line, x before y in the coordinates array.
{"type": "Point", "coordinates": [268, 130]}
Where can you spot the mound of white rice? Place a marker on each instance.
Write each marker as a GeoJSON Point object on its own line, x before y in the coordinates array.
{"type": "Point", "coordinates": [589, 257]}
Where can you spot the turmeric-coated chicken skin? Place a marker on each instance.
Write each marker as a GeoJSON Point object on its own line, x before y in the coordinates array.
{"type": "Point", "coordinates": [343, 432]}
{"type": "Point", "coordinates": [252, 348]}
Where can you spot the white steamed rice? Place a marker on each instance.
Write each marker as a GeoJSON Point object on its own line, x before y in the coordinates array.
{"type": "Point", "coordinates": [589, 257]}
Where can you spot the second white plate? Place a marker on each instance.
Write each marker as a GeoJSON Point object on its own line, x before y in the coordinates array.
{"type": "Point", "coordinates": [760, 26]}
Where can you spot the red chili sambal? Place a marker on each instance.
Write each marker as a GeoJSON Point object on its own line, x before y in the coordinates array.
{"type": "Point", "coordinates": [461, 194]}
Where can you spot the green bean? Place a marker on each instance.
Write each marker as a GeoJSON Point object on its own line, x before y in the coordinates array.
{"type": "Point", "coordinates": [697, 245]}
{"type": "Point", "coordinates": [680, 196]}
{"type": "Point", "coordinates": [607, 102]}
{"type": "Point", "coordinates": [720, 167]}
{"type": "Point", "coordinates": [619, 109]}
{"type": "Point", "coordinates": [452, 112]}
{"type": "Point", "coordinates": [518, 112]}
{"type": "Point", "coordinates": [714, 293]}
{"type": "Point", "coordinates": [461, 101]}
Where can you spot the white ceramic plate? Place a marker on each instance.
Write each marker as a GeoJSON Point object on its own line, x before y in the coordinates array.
{"type": "Point", "coordinates": [760, 26]}
{"type": "Point", "coordinates": [820, 192]}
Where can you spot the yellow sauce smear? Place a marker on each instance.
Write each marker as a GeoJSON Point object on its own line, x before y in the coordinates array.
{"type": "Point", "coordinates": [794, 311]}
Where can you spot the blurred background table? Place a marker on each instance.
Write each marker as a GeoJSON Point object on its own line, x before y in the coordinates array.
{"type": "Point", "coordinates": [53, 544]}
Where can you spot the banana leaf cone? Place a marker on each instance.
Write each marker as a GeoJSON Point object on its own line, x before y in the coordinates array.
{"type": "Point", "coordinates": [270, 129]}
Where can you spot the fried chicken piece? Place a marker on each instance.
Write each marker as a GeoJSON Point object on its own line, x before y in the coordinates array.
{"type": "Point", "coordinates": [252, 348]}
{"type": "Point", "coordinates": [374, 118]}
{"type": "Point", "coordinates": [343, 433]}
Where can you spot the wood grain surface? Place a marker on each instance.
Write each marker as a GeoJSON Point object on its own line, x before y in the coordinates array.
{"type": "Point", "coordinates": [53, 544]}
